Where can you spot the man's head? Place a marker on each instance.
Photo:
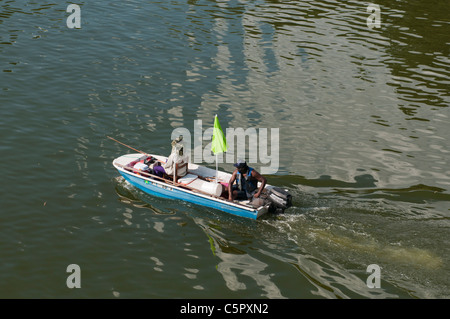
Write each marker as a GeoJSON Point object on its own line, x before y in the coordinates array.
{"type": "Point", "coordinates": [241, 165]}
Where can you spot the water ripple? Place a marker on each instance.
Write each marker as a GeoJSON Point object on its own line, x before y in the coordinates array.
{"type": "Point", "coordinates": [363, 117]}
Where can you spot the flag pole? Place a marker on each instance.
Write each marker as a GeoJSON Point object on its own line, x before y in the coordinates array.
{"type": "Point", "coordinates": [217, 160]}
{"type": "Point", "coordinates": [217, 167]}
{"type": "Point", "coordinates": [219, 143]}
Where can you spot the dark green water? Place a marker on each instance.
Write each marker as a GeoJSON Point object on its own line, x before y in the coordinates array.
{"type": "Point", "coordinates": [364, 123]}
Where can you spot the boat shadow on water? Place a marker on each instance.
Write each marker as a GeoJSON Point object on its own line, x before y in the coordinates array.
{"type": "Point", "coordinates": [128, 194]}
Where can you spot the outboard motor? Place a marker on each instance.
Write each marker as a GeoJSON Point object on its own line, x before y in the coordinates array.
{"type": "Point", "coordinates": [279, 200]}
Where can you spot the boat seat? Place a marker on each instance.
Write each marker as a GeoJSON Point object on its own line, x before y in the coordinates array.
{"type": "Point", "coordinates": [187, 179]}
{"type": "Point", "coordinates": [181, 170]}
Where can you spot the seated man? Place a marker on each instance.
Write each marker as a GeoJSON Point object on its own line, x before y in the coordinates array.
{"type": "Point", "coordinates": [175, 157]}
{"type": "Point", "coordinates": [247, 182]}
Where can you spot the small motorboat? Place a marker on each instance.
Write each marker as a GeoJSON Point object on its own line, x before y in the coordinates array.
{"type": "Point", "coordinates": [199, 185]}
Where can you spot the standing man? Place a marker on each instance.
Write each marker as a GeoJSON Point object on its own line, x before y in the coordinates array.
{"type": "Point", "coordinates": [247, 182]}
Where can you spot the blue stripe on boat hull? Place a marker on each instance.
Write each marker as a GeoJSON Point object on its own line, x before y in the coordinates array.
{"type": "Point", "coordinates": [166, 191]}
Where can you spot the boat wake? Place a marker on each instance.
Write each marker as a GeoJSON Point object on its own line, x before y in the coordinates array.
{"type": "Point", "coordinates": [354, 233]}
{"type": "Point", "coordinates": [330, 240]}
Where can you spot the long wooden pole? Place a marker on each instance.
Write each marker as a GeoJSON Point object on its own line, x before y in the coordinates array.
{"type": "Point", "coordinates": [179, 185]}
{"type": "Point", "coordinates": [126, 145]}
{"type": "Point", "coordinates": [167, 181]}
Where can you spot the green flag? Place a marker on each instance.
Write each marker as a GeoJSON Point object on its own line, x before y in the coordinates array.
{"type": "Point", "coordinates": [219, 142]}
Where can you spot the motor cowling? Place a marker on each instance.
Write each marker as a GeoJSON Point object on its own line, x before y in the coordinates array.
{"type": "Point", "coordinates": [279, 200]}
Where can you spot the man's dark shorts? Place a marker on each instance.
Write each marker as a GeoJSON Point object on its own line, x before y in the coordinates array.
{"type": "Point", "coordinates": [243, 195]}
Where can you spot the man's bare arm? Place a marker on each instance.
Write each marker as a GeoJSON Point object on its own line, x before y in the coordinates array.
{"type": "Point", "coordinates": [261, 179]}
